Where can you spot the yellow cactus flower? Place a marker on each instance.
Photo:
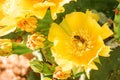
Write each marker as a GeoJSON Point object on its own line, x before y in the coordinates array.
{"type": "Point", "coordinates": [10, 11]}
{"type": "Point", "coordinates": [5, 47]}
{"type": "Point", "coordinates": [39, 7]}
{"type": "Point", "coordinates": [35, 41]}
{"type": "Point", "coordinates": [28, 24]}
{"type": "Point", "coordinates": [13, 10]}
{"type": "Point", "coordinates": [78, 40]}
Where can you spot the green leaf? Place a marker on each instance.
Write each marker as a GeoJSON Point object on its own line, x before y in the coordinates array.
{"type": "Point", "coordinates": [44, 24]}
{"type": "Point", "coordinates": [48, 69]}
{"type": "Point", "coordinates": [117, 25]}
{"type": "Point", "coordinates": [46, 52]}
{"type": "Point", "coordinates": [37, 66]}
{"type": "Point", "coordinates": [108, 66]}
{"type": "Point", "coordinates": [13, 35]}
{"type": "Point", "coordinates": [105, 6]}
{"type": "Point", "coordinates": [20, 48]}
{"type": "Point", "coordinates": [33, 76]}
{"type": "Point", "coordinates": [78, 75]}
{"type": "Point", "coordinates": [42, 67]}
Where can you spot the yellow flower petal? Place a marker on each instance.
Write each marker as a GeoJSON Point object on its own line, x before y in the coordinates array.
{"type": "Point", "coordinates": [93, 15]}
{"type": "Point", "coordinates": [63, 24]}
{"type": "Point", "coordinates": [34, 7]}
{"type": "Point", "coordinates": [55, 10]}
{"type": "Point", "coordinates": [40, 12]}
{"type": "Point", "coordinates": [28, 4]}
{"type": "Point", "coordinates": [97, 60]}
{"type": "Point", "coordinates": [54, 34]}
{"type": "Point", "coordinates": [105, 51]}
{"type": "Point", "coordinates": [7, 30]}
{"type": "Point", "coordinates": [75, 18]}
{"type": "Point", "coordinates": [10, 12]}
{"type": "Point", "coordinates": [93, 66]}
{"type": "Point", "coordinates": [1, 14]}
{"type": "Point", "coordinates": [1, 2]}
{"type": "Point", "coordinates": [8, 21]}
{"type": "Point", "coordinates": [39, 7]}
{"type": "Point", "coordinates": [105, 32]}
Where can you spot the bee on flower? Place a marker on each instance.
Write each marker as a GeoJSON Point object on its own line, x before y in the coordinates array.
{"type": "Point", "coordinates": [78, 40]}
{"type": "Point", "coordinates": [28, 24]}
{"type": "Point", "coordinates": [5, 47]}
{"type": "Point", "coordinates": [35, 41]}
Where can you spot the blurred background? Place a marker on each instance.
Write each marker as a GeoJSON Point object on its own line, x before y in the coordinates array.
{"type": "Point", "coordinates": [14, 67]}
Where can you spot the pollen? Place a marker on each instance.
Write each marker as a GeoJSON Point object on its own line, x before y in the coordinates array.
{"type": "Point", "coordinates": [80, 45]}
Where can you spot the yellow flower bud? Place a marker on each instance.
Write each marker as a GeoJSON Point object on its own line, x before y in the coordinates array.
{"type": "Point", "coordinates": [5, 47]}
{"type": "Point", "coordinates": [59, 74]}
{"type": "Point", "coordinates": [35, 41]}
{"type": "Point", "coordinates": [28, 24]}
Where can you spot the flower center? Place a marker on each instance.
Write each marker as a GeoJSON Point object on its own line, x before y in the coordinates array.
{"type": "Point", "coordinates": [80, 44]}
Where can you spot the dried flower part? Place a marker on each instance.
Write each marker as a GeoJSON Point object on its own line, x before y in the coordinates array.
{"type": "Point", "coordinates": [28, 24]}
{"type": "Point", "coordinates": [35, 41]}
{"type": "Point", "coordinates": [59, 74]}
{"type": "Point", "coordinates": [116, 10]}
{"type": "Point", "coordinates": [80, 39]}
{"type": "Point", "coordinates": [5, 47]}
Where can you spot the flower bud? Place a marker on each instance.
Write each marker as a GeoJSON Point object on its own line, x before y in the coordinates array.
{"type": "Point", "coordinates": [28, 24]}
{"type": "Point", "coordinates": [59, 74]}
{"type": "Point", "coordinates": [5, 47]}
{"type": "Point", "coordinates": [35, 41]}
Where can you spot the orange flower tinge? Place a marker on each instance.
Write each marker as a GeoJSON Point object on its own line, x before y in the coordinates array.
{"type": "Point", "coordinates": [28, 24]}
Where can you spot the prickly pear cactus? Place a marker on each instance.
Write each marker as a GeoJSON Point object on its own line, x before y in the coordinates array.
{"type": "Point", "coordinates": [117, 23]}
